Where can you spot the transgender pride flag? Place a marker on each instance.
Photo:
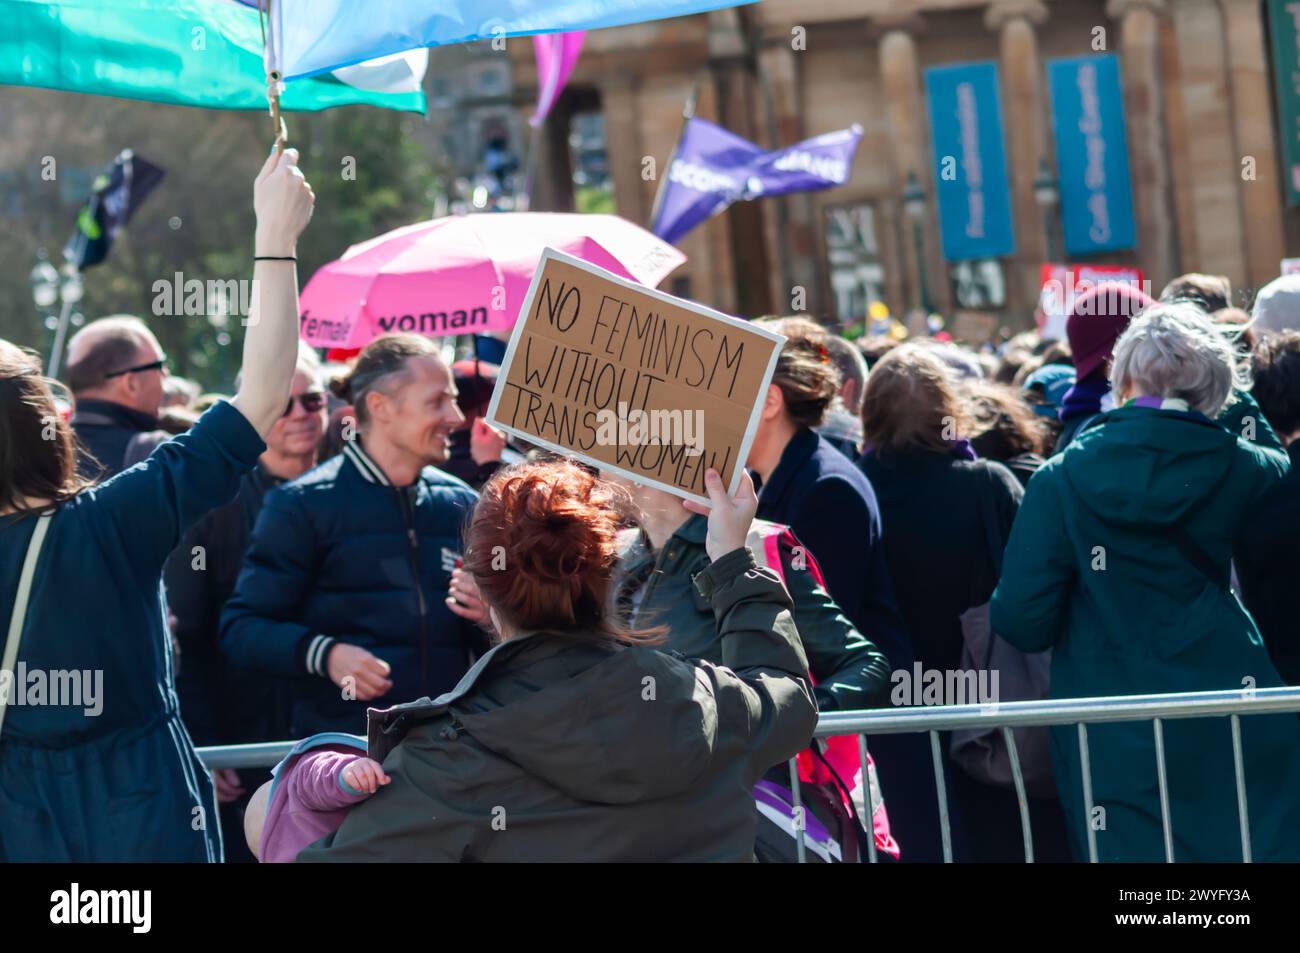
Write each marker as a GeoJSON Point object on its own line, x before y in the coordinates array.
{"type": "Point", "coordinates": [205, 53]}
{"type": "Point", "coordinates": [316, 36]}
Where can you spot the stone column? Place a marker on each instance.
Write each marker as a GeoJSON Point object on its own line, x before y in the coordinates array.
{"type": "Point", "coordinates": [618, 103]}
{"type": "Point", "coordinates": [1148, 144]}
{"type": "Point", "coordinates": [553, 170]}
{"type": "Point", "coordinates": [713, 262]}
{"type": "Point", "coordinates": [790, 223]}
{"type": "Point", "coordinates": [900, 80]}
{"type": "Point", "coordinates": [1213, 159]}
{"type": "Point", "coordinates": [1252, 117]}
{"type": "Point", "coordinates": [1022, 80]}
{"type": "Point", "coordinates": [738, 112]}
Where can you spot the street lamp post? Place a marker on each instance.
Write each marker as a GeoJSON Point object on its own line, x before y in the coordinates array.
{"type": "Point", "coordinates": [45, 282]}
{"type": "Point", "coordinates": [47, 287]}
{"type": "Point", "coordinates": [1047, 193]}
{"type": "Point", "coordinates": [914, 208]}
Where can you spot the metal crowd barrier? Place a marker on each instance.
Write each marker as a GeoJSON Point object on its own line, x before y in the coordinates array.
{"type": "Point", "coordinates": [1080, 712]}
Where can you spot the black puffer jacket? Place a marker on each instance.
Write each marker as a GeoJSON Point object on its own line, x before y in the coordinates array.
{"type": "Point", "coordinates": [219, 704]}
{"type": "Point", "coordinates": [110, 437]}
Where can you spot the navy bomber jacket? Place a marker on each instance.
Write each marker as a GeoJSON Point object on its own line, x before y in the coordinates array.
{"type": "Point", "coordinates": [342, 555]}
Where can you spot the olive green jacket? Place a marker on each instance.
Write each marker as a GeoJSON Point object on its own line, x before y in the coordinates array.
{"type": "Point", "coordinates": [654, 589]}
{"type": "Point", "coordinates": [563, 748]}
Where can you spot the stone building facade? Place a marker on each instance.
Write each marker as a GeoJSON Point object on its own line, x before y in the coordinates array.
{"type": "Point", "coordinates": [1197, 88]}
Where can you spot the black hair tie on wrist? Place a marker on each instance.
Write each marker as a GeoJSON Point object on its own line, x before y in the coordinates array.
{"type": "Point", "coordinates": [274, 258]}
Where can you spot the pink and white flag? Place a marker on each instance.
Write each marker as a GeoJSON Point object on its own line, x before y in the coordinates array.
{"type": "Point", "coordinates": [557, 54]}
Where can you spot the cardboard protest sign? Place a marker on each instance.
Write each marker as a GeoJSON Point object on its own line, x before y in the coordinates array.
{"type": "Point", "coordinates": [632, 380]}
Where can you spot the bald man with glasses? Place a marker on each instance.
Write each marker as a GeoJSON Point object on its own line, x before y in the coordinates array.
{"type": "Point", "coordinates": [115, 372]}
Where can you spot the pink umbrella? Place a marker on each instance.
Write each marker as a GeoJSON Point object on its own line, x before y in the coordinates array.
{"type": "Point", "coordinates": [464, 274]}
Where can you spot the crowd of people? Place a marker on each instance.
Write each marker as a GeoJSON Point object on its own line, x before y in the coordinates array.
{"type": "Point", "coordinates": [572, 665]}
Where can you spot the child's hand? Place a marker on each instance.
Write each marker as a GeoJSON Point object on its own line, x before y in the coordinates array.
{"type": "Point", "coordinates": [365, 775]}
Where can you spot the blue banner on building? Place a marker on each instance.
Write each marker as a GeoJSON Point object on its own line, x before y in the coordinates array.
{"type": "Point", "coordinates": [1092, 154]}
{"type": "Point", "coordinates": [970, 161]}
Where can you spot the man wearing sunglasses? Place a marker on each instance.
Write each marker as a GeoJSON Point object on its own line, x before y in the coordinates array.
{"type": "Point", "coordinates": [115, 372]}
{"type": "Point", "coordinates": [220, 704]}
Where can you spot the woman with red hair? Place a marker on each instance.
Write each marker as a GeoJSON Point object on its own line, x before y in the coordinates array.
{"type": "Point", "coordinates": [574, 738]}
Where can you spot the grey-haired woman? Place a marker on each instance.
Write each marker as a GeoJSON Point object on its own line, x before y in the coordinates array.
{"type": "Point", "coordinates": [1119, 562]}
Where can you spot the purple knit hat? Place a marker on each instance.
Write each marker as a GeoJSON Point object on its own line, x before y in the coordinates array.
{"type": "Point", "coordinates": [1098, 318]}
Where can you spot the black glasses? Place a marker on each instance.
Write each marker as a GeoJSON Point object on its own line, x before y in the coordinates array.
{"type": "Point", "coordinates": [312, 401]}
{"type": "Point", "coordinates": [157, 365]}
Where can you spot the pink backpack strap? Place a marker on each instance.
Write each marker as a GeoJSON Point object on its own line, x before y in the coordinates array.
{"type": "Point", "coordinates": [810, 564]}
{"type": "Point", "coordinates": [764, 541]}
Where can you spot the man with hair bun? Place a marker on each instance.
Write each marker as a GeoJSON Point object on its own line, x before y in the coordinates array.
{"type": "Point", "coordinates": [345, 583]}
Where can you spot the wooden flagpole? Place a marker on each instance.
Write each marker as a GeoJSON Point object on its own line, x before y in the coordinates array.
{"type": "Point", "coordinates": [273, 78]}
{"type": "Point", "coordinates": [688, 113]}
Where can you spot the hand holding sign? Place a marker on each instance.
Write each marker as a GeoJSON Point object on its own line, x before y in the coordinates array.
{"type": "Point", "coordinates": [729, 519]}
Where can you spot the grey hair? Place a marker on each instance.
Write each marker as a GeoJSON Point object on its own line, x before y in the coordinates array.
{"type": "Point", "coordinates": [1174, 350]}
{"type": "Point", "coordinates": [309, 363]}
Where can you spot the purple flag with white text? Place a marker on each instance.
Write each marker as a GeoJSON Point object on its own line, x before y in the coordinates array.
{"type": "Point", "coordinates": [713, 168]}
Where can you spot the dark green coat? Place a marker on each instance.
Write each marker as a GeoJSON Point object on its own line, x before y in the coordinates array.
{"type": "Point", "coordinates": [1151, 622]}
{"type": "Point", "coordinates": [561, 749]}
{"type": "Point", "coordinates": [655, 589]}
{"type": "Point", "coordinates": [1242, 418]}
